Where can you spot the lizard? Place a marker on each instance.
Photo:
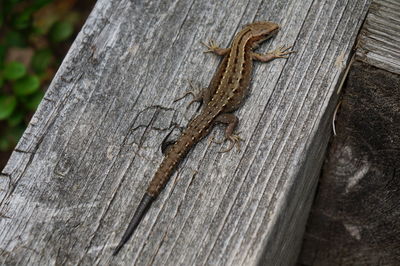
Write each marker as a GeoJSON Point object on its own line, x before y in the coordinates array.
{"type": "Point", "coordinates": [225, 93]}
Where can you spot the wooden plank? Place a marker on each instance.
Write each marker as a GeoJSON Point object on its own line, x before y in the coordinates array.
{"type": "Point", "coordinates": [379, 39]}
{"type": "Point", "coordinates": [82, 165]}
{"type": "Point", "coordinates": [355, 216]}
{"type": "Point", "coordinates": [355, 219]}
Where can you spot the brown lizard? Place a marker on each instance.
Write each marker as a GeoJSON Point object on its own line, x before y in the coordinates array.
{"type": "Point", "coordinates": [226, 92]}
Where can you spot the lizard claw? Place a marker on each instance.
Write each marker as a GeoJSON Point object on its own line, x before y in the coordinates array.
{"type": "Point", "coordinates": [197, 97]}
{"type": "Point", "coordinates": [212, 46]}
{"type": "Point", "coordinates": [282, 52]}
{"type": "Point", "coordinates": [234, 140]}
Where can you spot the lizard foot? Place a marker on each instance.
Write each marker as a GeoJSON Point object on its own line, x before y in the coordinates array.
{"type": "Point", "coordinates": [195, 92]}
{"type": "Point", "coordinates": [282, 52]}
{"type": "Point", "coordinates": [234, 140]}
{"type": "Point", "coordinates": [212, 47]}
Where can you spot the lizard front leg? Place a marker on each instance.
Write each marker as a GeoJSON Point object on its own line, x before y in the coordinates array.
{"type": "Point", "coordinates": [280, 52]}
{"type": "Point", "coordinates": [200, 95]}
{"type": "Point", "coordinates": [203, 95]}
{"type": "Point", "coordinates": [214, 48]}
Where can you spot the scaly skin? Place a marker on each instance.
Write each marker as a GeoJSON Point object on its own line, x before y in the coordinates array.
{"type": "Point", "coordinates": [227, 90]}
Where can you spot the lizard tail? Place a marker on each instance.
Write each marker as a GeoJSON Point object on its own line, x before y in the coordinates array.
{"type": "Point", "coordinates": [141, 210]}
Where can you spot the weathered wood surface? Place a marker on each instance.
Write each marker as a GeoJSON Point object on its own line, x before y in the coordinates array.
{"type": "Point", "coordinates": [379, 41]}
{"type": "Point", "coordinates": [355, 219]}
{"type": "Point", "coordinates": [84, 162]}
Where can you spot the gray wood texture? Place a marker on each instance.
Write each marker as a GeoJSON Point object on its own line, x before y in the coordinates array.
{"type": "Point", "coordinates": [379, 41]}
{"type": "Point", "coordinates": [355, 219]}
{"type": "Point", "coordinates": [80, 169]}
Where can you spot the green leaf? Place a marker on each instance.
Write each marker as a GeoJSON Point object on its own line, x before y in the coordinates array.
{"type": "Point", "coordinates": [3, 50]}
{"type": "Point", "coordinates": [26, 85]}
{"type": "Point", "coordinates": [61, 31]}
{"type": "Point", "coordinates": [15, 38]}
{"type": "Point", "coordinates": [13, 2]}
{"type": "Point", "coordinates": [41, 60]}
{"type": "Point", "coordinates": [16, 132]}
{"type": "Point", "coordinates": [1, 19]}
{"type": "Point", "coordinates": [73, 17]}
{"type": "Point", "coordinates": [16, 118]}
{"type": "Point", "coordinates": [33, 102]}
{"type": "Point", "coordinates": [14, 70]}
{"type": "Point", "coordinates": [7, 106]}
{"type": "Point", "coordinates": [38, 31]}
{"type": "Point", "coordinates": [4, 144]}
{"type": "Point", "coordinates": [7, 6]}
{"type": "Point", "coordinates": [13, 135]}
{"type": "Point", "coordinates": [22, 20]}
{"type": "Point", "coordinates": [40, 3]}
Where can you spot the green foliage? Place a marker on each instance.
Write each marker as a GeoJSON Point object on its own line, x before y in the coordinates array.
{"type": "Point", "coordinates": [16, 118]}
{"type": "Point", "coordinates": [2, 55]}
{"type": "Point", "coordinates": [4, 144]}
{"type": "Point", "coordinates": [7, 105]}
{"type": "Point", "coordinates": [14, 70]}
{"type": "Point", "coordinates": [10, 137]}
{"type": "Point", "coordinates": [26, 85]}
{"type": "Point", "coordinates": [22, 83]}
{"type": "Point", "coordinates": [41, 60]}
{"type": "Point", "coordinates": [15, 39]}
{"type": "Point", "coordinates": [40, 3]}
{"type": "Point", "coordinates": [60, 31]}
{"type": "Point", "coordinates": [34, 100]}
{"type": "Point", "coordinates": [13, 2]}
{"type": "Point", "coordinates": [22, 20]}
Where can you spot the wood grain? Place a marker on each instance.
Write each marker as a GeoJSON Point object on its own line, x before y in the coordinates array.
{"type": "Point", "coordinates": [355, 219]}
{"type": "Point", "coordinates": [355, 216]}
{"type": "Point", "coordinates": [378, 43]}
{"type": "Point", "coordinates": [86, 158]}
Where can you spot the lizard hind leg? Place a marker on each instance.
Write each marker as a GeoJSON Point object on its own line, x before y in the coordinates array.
{"type": "Point", "coordinates": [167, 144]}
{"type": "Point", "coordinates": [231, 120]}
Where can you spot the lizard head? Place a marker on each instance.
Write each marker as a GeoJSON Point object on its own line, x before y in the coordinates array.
{"type": "Point", "coordinates": [261, 30]}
